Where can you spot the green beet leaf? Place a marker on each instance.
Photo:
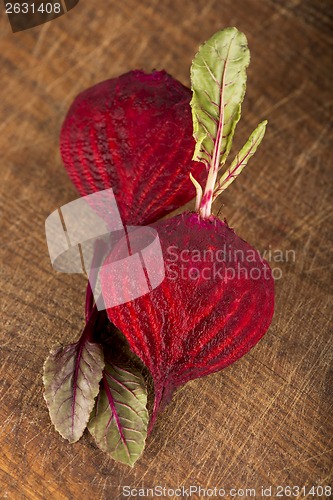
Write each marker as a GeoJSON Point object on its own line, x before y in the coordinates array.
{"type": "Point", "coordinates": [218, 79]}
{"type": "Point", "coordinates": [120, 418]}
{"type": "Point", "coordinates": [241, 159]}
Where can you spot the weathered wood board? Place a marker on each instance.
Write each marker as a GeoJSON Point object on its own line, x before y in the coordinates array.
{"type": "Point", "coordinates": [266, 420]}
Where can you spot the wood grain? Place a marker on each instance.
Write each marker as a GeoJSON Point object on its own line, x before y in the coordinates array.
{"type": "Point", "coordinates": [266, 420]}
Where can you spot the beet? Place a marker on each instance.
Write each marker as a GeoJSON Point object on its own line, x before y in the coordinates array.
{"type": "Point", "coordinates": [214, 305]}
{"type": "Point", "coordinates": [134, 134]}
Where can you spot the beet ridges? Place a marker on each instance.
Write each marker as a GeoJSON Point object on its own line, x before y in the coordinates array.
{"type": "Point", "coordinates": [215, 304]}
{"type": "Point", "coordinates": [134, 134]}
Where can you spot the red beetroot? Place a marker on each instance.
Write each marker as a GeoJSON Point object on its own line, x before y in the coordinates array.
{"type": "Point", "coordinates": [215, 304]}
{"type": "Point", "coordinates": [134, 134]}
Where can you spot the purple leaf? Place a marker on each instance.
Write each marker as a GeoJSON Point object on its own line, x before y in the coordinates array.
{"type": "Point", "coordinates": [71, 378]}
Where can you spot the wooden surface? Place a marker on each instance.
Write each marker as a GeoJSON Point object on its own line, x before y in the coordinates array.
{"type": "Point", "coordinates": [266, 420]}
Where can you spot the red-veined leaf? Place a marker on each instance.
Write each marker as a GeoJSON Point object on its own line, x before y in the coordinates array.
{"type": "Point", "coordinates": [120, 418]}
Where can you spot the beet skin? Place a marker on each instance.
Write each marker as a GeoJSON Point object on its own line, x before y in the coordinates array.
{"type": "Point", "coordinates": [133, 134]}
{"type": "Point", "coordinates": [214, 305]}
